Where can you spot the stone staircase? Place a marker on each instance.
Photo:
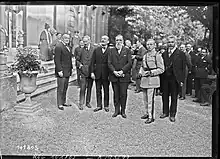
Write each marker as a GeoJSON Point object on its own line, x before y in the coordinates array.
{"type": "Point", "coordinates": [45, 81]}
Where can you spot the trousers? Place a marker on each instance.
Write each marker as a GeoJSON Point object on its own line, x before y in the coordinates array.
{"type": "Point", "coordinates": [148, 98]}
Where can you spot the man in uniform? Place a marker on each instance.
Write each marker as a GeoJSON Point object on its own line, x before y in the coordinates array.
{"type": "Point", "coordinates": [152, 67]}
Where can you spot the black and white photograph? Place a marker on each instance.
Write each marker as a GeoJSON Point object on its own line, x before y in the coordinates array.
{"type": "Point", "coordinates": [109, 80]}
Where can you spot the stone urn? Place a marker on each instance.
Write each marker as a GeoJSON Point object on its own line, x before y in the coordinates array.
{"type": "Point", "coordinates": [28, 85]}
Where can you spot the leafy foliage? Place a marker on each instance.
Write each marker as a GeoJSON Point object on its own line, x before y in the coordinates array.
{"type": "Point", "coordinates": [26, 60]}
{"type": "Point", "coordinates": [188, 23]}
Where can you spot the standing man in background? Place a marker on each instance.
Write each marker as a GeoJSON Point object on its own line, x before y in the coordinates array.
{"type": "Point", "coordinates": [100, 73]}
{"type": "Point", "coordinates": [76, 54]}
{"type": "Point", "coordinates": [83, 63]}
{"type": "Point", "coordinates": [63, 69]}
{"type": "Point", "coordinates": [174, 75]}
{"type": "Point", "coordinates": [188, 70]}
{"type": "Point", "coordinates": [138, 60]}
{"type": "Point", "coordinates": [75, 40]}
{"type": "Point", "coordinates": [119, 63]}
{"type": "Point", "coordinates": [191, 73]}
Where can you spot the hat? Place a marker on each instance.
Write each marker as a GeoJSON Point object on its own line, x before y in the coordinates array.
{"type": "Point", "coordinates": [46, 26]}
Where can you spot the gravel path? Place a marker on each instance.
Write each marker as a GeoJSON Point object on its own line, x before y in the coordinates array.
{"type": "Point", "coordinates": [74, 132]}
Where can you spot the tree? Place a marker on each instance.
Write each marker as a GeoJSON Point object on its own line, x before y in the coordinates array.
{"type": "Point", "coordinates": [118, 24]}
{"type": "Point", "coordinates": [203, 14]}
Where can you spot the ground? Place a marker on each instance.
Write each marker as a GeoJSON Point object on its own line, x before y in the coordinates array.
{"type": "Point", "coordinates": [77, 133]}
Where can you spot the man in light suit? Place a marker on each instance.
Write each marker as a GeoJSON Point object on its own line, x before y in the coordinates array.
{"type": "Point", "coordinates": [63, 69]}
{"type": "Point", "coordinates": [83, 63]}
{"type": "Point", "coordinates": [152, 67]}
{"type": "Point", "coordinates": [173, 77]}
{"type": "Point", "coordinates": [119, 63]}
{"type": "Point", "coordinates": [100, 72]}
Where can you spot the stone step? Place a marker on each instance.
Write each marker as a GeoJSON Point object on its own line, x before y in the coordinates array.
{"type": "Point", "coordinates": [21, 97]}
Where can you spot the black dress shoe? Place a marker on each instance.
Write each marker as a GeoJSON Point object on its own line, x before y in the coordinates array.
{"type": "Point", "coordinates": [67, 105]}
{"type": "Point", "coordinates": [182, 98]}
{"type": "Point", "coordinates": [80, 107]}
{"type": "Point", "coordinates": [106, 109]}
{"type": "Point", "coordinates": [124, 115]}
{"type": "Point", "coordinates": [88, 105]}
{"type": "Point", "coordinates": [137, 91]}
{"type": "Point", "coordinates": [60, 107]}
{"type": "Point", "coordinates": [204, 104]}
{"type": "Point", "coordinates": [148, 121]}
{"type": "Point", "coordinates": [145, 116]}
{"type": "Point", "coordinates": [172, 119]}
{"type": "Point", "coordinates": [164, 116]}
{"type": "Point", "coordinates": [115, 114]}
{"type": "Point", "coordinates": [196, 100]}
{"type": "Point", "coordinates": [97, 109]}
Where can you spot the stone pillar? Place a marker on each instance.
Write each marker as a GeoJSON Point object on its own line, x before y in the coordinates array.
{"type": "Point", "coordinates": [3, 36]}
{"type": "Point", "coordinates": [8, 83]}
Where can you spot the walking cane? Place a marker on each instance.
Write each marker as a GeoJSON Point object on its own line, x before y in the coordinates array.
{"type": "Point", "coordinates": [152, 111]}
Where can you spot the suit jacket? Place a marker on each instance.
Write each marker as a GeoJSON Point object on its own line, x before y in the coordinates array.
{"type": "Point", "coordinates": [99, 63]}
{"type": "Point", "coordinates": [194, 58]}
{"type": "Point", "coordinates": [84, 58]}
{"type": "Point", "coordinates": [76, 54]}
{"type": "Point", "coordinates": [202, 67]}
{"type": "Point", "coordinates": [140, 53]}
{"type": "Point", "coordinates": [178, 62]}
{"type": "Point", "coordinates": [117, 62]}
{"type": "Point", "coordinates": [63, 60]}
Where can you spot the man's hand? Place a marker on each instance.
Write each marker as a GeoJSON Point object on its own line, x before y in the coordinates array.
{"type": "Point", "coordinates": [60, 73]}
{"type": "Point", "coordinates": [181, 84]}
{"type": "Point", "coordinates": [92, 75]}
{"type": "Point", "coordinates": [80, 66]}
{"type": "Point", "coordinates": [120, 73]}
{"type": "Point", "coordinates": [147, 73]}
{"type": "Point", "coordinates": [116, 73]}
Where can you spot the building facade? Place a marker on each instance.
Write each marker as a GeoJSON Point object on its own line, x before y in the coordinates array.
{"type": "Point", "coordinates": [89, 20]}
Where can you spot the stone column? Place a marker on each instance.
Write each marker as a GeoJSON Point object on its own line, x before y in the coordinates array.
{"type": "Point", "coordinates": [3, 33]}
{"type": "Point", "coordinates": [8, 83]}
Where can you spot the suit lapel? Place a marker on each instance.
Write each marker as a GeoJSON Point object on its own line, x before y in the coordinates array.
{"type": "Point", "coordinates": [66, 48]}
{"type": "Point", "coordinates": [122, 53]}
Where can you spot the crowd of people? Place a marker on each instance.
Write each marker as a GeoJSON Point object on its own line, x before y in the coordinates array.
{"type": "Point", "coordinates": [166, 69]}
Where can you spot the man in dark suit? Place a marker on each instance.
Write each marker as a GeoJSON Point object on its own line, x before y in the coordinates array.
{"type": "Point", "coordinates": [119, 63]}
{"type": "Point", "coordinates": [83, 62]}
{"type": "Point", "coordinates": [100, 72]}
{"type": "Point", "coordinates": [76, 53]}
{"type": "Point", "coordinates": [63, 69]}
{"type": "Point", "coordinates": [174, 75]}
{"type": "Point", "coordinates": [138, 58]}
{"type": "Point", "coordinates": [191, 73]}
{"type": "Point", "coordinates": [201, 73]}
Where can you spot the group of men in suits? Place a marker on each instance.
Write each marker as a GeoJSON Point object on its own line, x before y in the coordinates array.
{"type": "Point", "coordinates": [104, 65]}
